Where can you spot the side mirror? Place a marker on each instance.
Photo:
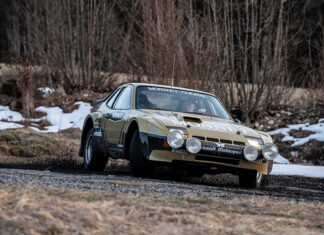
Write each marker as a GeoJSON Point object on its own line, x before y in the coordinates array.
{"type": "Point", "coordinates": [237, 121]}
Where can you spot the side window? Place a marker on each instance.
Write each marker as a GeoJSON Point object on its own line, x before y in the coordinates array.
{"type": "Point", "coordinates": [113, 98]}
{"type": "Point", "coordinates": [124, 100]}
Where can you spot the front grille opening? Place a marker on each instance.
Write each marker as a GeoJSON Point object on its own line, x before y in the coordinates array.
{"type": "Point", "coordinates": [226, 141]}
{"type": "Point", "coordinates": [212, 139]}
{"type": "Point", "coordinates": [199, 137]}
{"type": "Point", "coordinates": [239, 143]}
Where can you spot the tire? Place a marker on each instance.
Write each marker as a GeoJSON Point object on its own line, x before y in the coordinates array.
{"type": "Point", "coordinates": [250, 179]}
{"type": "Point", "coordinates": [93, 159]}
{"type": "Point", "coordinates": [138, 162]}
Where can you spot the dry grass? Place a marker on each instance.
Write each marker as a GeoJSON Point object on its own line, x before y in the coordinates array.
{"type": "Point", "coordinates": [21, 148]}
{"type": "Point", "coordinates": [46, 210]}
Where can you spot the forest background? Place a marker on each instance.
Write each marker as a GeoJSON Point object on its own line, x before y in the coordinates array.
{"type": "Point", "coordinates": [251, 54]}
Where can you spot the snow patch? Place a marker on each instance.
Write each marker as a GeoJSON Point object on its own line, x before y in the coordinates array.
{"type": "Point", "coordinates": [63, 121]}
{"type": "Point", "coordinates": [54, 115]}
{"type": "Point", "coordinates": [317, 128]}
{"type": "Point", "coordinates": [280, 159]}
{"type": "Point", "coordinates": [308, 171]}
{"type": "Point", "coordinates": [8, 115]}
{"type": "Point", "coordinates": [9, 125]}
{"type": "Point", "coordinates": [46, 91]}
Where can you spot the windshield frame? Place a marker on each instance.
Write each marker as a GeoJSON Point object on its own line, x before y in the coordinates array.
{"type": "Point", "coordinates": [194, 91]}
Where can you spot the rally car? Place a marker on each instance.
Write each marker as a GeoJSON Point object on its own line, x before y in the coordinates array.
{"type": "Point", "coordinates": [190, 130]}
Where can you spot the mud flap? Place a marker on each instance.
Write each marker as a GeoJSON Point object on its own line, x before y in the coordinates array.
{"type": "Point", "coordinates": [145, 147]}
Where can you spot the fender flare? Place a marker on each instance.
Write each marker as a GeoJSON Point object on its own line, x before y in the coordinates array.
{"type": "Point", "coordinates": [143, 138]}
{"type": "Point", "coordinates": [85, 131]}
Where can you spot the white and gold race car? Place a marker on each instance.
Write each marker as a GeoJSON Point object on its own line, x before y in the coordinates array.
{"type": "Point", "coordinates": [190, 130]}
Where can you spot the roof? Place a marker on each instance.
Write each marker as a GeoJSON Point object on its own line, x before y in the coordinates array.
{"type": "Point", "coordinates": [164, 86]}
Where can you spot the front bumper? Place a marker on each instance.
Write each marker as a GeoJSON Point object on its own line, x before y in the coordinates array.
{"type": "Point", "coordinates": [212, 154]}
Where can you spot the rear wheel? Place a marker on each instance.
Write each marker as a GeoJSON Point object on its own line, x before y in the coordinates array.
{"type": "Point", "coordinates": [93, 159]}
{"type": "Point", "coordinates": [250, 179]}
{"type": "Point", "coordinates": [138, 162]}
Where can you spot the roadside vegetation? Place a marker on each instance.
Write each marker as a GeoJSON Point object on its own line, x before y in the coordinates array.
{"type": "Point", "coordinates": [25, 148]}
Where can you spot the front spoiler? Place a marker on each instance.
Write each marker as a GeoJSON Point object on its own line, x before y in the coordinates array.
{"type": "Point", "coordinates": [170, 157]}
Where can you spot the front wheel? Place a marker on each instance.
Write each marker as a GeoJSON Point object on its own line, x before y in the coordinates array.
{"type": "Point", "coordinates": [94, 160]}
{"type": "Point", "coordinates": [250, 179]}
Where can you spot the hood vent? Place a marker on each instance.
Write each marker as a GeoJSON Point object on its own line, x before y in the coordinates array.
{"type": "Point", "coordinates": [192, 119]}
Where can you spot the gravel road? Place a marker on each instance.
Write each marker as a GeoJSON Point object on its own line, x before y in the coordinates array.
{"type": "Point", "coordinates": [219, 186]}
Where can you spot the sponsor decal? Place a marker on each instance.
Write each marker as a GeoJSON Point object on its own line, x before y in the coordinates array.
{"type": "Point", "coordinates": [231, 151]}
{"type": "Point", "coordinates": [175, 91]}
{"type": "Point", "coordinates": [208, 148]}
{"type": "Point", "coordinates": [117, 115]}
{"type": "Point", "coordinates": [220, 148]}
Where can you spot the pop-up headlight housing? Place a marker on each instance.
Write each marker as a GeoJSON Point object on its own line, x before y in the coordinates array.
{"type": "Point", "coordinates": [256, 142]}
{"type": "Point", "coordinates": [182, 130]}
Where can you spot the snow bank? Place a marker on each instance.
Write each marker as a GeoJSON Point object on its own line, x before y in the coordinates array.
{"type": "Point", "coordinates": [318, 128]}
{"type": "Point", "coordinates": [309, 171]}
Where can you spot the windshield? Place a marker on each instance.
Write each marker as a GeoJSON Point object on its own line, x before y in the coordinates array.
{"type": "Point", "coordinates": [179, 101]}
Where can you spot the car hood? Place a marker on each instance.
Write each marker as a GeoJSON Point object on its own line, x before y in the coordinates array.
{"type": "Point", "coordinates": [205, 126]}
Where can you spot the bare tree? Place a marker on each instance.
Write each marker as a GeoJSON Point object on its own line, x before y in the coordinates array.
{"type": "Point", "coordinates": [239, 48]}
{"type": "Point", "coordinates": [73, 40]}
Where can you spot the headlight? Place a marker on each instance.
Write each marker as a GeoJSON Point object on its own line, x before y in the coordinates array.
{"type": "Point", "coordinates": [175, 139]}
{"type": "Point", "coordinates": [250, 153]}
{"type": "Point", "coordinates": [256, 142]}
{"type": "Point", "coordinates": [269, 151]}
{"type": "Point", "coordinates": [193, 145]}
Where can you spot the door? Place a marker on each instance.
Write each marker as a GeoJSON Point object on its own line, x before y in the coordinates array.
{"type": "Point", "coordinates": [117, 117]}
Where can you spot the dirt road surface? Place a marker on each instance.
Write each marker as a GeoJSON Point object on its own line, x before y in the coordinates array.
{"type": "Point", "coordinates": [218, 186]}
